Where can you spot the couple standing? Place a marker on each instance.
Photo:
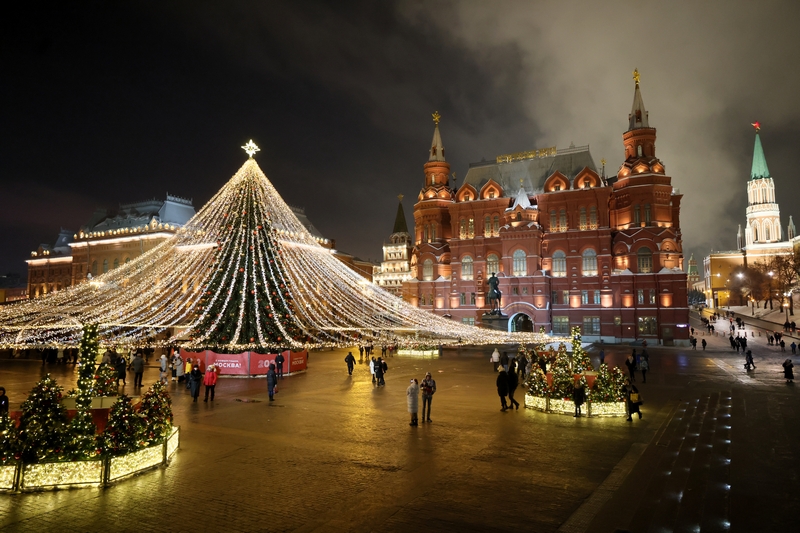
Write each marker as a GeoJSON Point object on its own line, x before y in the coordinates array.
{"type": "Point", "coordinates": [428, 388]}
{"type": "Point", "coordinates": [507, 383]}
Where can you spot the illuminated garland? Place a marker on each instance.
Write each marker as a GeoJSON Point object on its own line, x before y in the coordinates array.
{"type": "Point", "coordinates": [242, 274]}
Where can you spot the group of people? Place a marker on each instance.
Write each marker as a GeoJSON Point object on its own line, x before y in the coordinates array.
{"type": "Point", "coordinates": [189, 372]}
{"type": "Point", "coordinates": [638, 361]}
{"type": "Point", "coordinates": [428, 389]}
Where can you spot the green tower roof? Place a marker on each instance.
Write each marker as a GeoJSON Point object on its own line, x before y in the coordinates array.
{"type": "Point", "coordinates": [400, 221]}
{"type": "Point", "coordinates": [760, 169]}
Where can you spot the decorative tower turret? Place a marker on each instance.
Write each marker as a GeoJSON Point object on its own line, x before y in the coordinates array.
{"type": "Point", "coordinates": [763, 212]}
{"type": "Point", "coordinates": [431, 214]}
{"type": "Point", "coordinates": [396, 265]}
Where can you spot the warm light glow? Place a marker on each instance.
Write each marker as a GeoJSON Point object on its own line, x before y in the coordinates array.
{"type": "Point", "coordinates": [55, 474]}
{"type": "Point", "coordinates": [137, 461]}
{"type": "Point", "coordinates": [250, 148]}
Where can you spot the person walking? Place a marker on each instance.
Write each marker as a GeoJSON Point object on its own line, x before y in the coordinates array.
{"type": "Point", "coordinates": [210, 381]}
{"type": "Point", "coordinates": [602, 356]}
{"type": "Point", "coordinates": [522, 364]}
{"type": "Point", "coordinates": [633, 400]}
{"type": "Point", "coordinates": [180, 367]}
{"type": "Point", "coordinates": [195, 378]}
{"type": "Point", "coordinates": [793, 346]}
{"type": "Point", "coordinates": [272, 382]}
{"type": "Point", "coordinates": [578, 398]}
{"type": "Point", "coordinates": [372, 369]}
{"type": "Point", "coordinates": [788, 373]}
{"type": "Point", "coordinates": [351, 362]}
{"type": "Point", "coordinates": [3, 402]}
{"type": "Point", "coordinates": [644, 367]}
{"type": "Point", "coordinates": [412, 397]}
{"type": "Point", "coordinates": [121, 365]}
{"type": "Point", "coordinates": [783, 345]}
{"type": "Point", "coordinates": [502, 387]}
{"type": "Point", "coordinates": [748, 361]}
{"type": "Point", "coordinates": [495, 359]}
{"type": "Point", "coordinates": [163, 364]}
{"type": "Point", "coordinates": [513, 383]}
{"type": "Point", "coordinates": [694, 344]}
{"type": "Point", "coordinates": [187, 372]}
{"type": "Point", "coordinates": [279, 360]}
{"type": "Point", "coordinates": [630, 362]}
{"type": "Point", "coordinates": [138, 369]}
{"type": "Point", "coordinates": [704, 344]}
{"type": "Point", "coordinates": [173, 365]}
{"type": "Point", "coordinates": [428, 387]}
{"type": "Point", "coordinates": [380, 370]}
{"type": "Point", "coordinates": [504, 361]}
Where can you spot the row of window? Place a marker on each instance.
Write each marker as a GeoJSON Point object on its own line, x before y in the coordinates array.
{"type": "Point", "coordinates": [105, 265]}
{"type": "Point", "coordinates": [520, 264]}
{"type": "Point", "coordinates": [558, 220]}
{"type": "Point", "coordinates": [647, 325]}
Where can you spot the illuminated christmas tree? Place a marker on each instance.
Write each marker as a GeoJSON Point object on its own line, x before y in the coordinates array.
{"type": "Point", "coordinates": [156, 414]}
{"type": "Point", "coordinates": [105, 381]}
{"type": "Point", "coordinates": [563, 376]}
{"type": "Point", "coordinates": [607, 385]}
{"type": "Point", "coordinates": [580, 358]}
{"type": "Point", "coordinates": [81, 428]}
{"type": "Point", "coordinates": [8, 439]}
{"type": "Point", "coordinates": [125, 430]}
{"type": "Point", "coordinates": [537, 382]}
{"type": "Point", "coordinates": [42, 432]}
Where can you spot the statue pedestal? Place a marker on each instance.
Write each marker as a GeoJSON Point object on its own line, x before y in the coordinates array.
{"type": "Point", "coordinates": [498, 322]}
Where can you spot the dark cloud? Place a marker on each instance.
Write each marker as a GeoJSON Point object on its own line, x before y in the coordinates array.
{"type": "Point", "coordinates": [109, 102]}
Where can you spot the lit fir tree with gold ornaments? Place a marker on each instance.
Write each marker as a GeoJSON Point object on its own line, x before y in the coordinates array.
{"type": "Point", "coordinates": [563, 376]}
{"type": "Point", "coordinates": [580, 358]}
{"type": "Point", "coordinates": [125, 430]}
{"type": "Point", "coordinates": [105, 381]}
{"type": "Point", "coordinates": [82, 440]}
{"type": "Point", "coordinates": [155, 411]}
{"type": "Point", "coordinates": [607, 385]}
{"type": "Point", "coordinates": [42, 430]}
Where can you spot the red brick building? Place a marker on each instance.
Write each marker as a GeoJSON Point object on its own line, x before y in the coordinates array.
{"type": "Point", "coordinates": [569, 246]}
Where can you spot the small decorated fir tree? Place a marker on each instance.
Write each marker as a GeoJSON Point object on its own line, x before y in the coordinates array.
{"type": "Point", "coordinates": [8, 439]}
{"type": "Point", "coordinates": [580, 358]}
{"type": "Point", "coordinates": [124, 432]}
{"type": "Point", "coordinates": [607, 385]}
{"type": "Point", "coordinates": [537, 382]}
{"type": "Point", "coordinates": [156, 414]}
{"type": "Point", "coordinates": [42, 431]}
{"type": "Point", "coordinates": [563, 377]}
{"type": "Point", "coordinates": [81, 443]}
{"type": "Point", "coordinates": [105, 381]}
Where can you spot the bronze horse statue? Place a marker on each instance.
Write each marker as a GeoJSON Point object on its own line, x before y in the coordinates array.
{"type": "Point", "coordinates": [494, 295]}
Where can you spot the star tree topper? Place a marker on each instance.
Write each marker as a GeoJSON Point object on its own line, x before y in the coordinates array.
{"type": "Point", "coordinates": [251, 148]}
{"type": "Point", "coordinates": [756, 125]}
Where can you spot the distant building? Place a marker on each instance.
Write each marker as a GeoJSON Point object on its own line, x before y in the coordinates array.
{"type": "Point", "coordinates": [12, 288]}
{"type": "Point", "coordinates": [570, 247]}
{"type": "Point", "coordinates": [396, 265]}
{"type": "Point", "coordinates": [762, 238]}
{"type": "Point", "coordinates": [692, 274]}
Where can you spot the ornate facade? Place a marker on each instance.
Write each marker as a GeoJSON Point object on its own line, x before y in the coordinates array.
{"type": "Point", "coordinates": [396, 265]}
{"type": "Point", "coordinates": [569, 246]}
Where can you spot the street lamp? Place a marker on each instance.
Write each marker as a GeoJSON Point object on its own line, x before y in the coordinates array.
{"type": "Point", "coordinates": [770, 274]}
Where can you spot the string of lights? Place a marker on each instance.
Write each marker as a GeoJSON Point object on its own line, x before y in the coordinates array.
{"type": "Point", "coordinates": [242, 274]}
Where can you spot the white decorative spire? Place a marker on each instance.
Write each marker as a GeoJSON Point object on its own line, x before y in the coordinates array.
{"type": "Point", "coordinates": [739, 243]}
{"type": "Point", "coordinates": [791, 231]}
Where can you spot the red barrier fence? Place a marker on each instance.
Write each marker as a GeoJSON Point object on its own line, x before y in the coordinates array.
{"type": "Point", "coordinates": [249, 363]}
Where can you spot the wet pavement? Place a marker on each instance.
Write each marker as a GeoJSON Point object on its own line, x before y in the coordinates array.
{"type": "Point", "coordinates": [716, 450]}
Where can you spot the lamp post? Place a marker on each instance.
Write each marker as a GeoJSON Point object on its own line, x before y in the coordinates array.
{"type": "Point", "coordinates": [770, 274]}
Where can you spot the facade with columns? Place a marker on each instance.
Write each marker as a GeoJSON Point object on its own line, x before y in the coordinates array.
{"type": "Point", "coordinates": [761, 240]}
{"type": "Point", "coordinates": [570, 246]}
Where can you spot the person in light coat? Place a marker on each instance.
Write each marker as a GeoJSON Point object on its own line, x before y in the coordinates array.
{"type": "Point", "coordinates": [180, 367]}
{"type": "Point", "coordinates": [412, 397]}
{"type": "Point", "coordinates": [495, 359]}
{"type": "Point", "coordinates": [163, 366]}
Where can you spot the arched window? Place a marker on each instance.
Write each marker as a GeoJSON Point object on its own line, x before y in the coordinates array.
{"type": "Point", "coordinates": [559, 264]}
{"type": "Point", "coordinates": [593, 217]}
{"type": "Point", "coordinates": [520, 263]}
{"type": "Point", "coordinates": [755, 232]}
{"type": "Point", "coordinates": [425, 233]}
{"type": "Point", "coordinates": [553, 221]}
{"type": "Point", "coordinates": [562, 220]}
{"type": "Point", "coordinates": [583, 218]}
{"type": "Point", "coordinates": [466, 268]}
{"type": "Point", "coordinates": [462, 229]}
{"type": "Point", "coordinates": [471, 228]}
{"type": "Point", "coordinates": [433, 232]}
{"type": "Point", "coordinates": [589, 263]}
{"type": "Point", "coordinates": [94, 268]}
{"type": "Point", "coordinates": [492, 264]}
{"type": "Point", "coordinates": [105, 266]}
{"type": "Point", "coordinates": [127, 260]}
{"type": "Point", "coordinates": [767, 232]}
{"type": "Point", "coordinates": [427, 270]}
{"type": "Point", "coordinates": [645, 257]}
{"type": "Point", "coordinates": [487, 226]}
{"type": "Point", "coordinates": [637, 217]}
{"type": "Point", "coordinates": [496, 225]}
{"type": "Point", "coordinates": [639, 150]}
{"type": "Point", "coordinates": [647, 214]}
{"type": "Point", "coordinates": [116, 262]}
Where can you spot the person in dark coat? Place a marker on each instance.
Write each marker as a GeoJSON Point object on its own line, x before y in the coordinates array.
{"type": "Point", "coordinates": [279, 359]}
{"type": "Point", "coordinates": [3, 401]}
{"type": "Point", "coordinates": [522, 364]}
{"type": "Point", "coordinates": [502, 387]}
{"type": "Point", "coordinates": [630, 362]}
{"type": "Point", "coordinates": [788, 373]}
{"type": "Point", "coordinates": [138, 369]}
{"type": "Point", "coordinates": [351, 361]}
{"type": "Point", "coordinates": [379, 371]}
{"type": "Point", "coordinates": [272, 382]}
{"type": "Point", "coordinates": [633, 402]}
{"type": "Point", "coordinates": [578, 398]}
{"type": "Point", "coordinates": [513, 382]}
{"type": "Point", "coordinates": [748, 361]}
{"type": "Point", "coordinates": [195, 379]}
{"type": "Point", "coordinates": [121, 365]}
{"type": "Point", "coordinates": [504, 361]}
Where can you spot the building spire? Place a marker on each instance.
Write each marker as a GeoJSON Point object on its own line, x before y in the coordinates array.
{"type": "Point", "coordinates": [437, 150]}
{"type": "Point", "coordinates": [759, 169]}
{"type": "Point", "coordinates": [791, 230]}
{"type": "Point", "coordinates": [400, 225]}
{"type": "Point", "coordinates": [739, 241]}
{"type": "Point", "coordinates": [638, 117]}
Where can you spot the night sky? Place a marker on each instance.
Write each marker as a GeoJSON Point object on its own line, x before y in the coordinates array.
{"type": "Point", "coordinates": [114, 102]}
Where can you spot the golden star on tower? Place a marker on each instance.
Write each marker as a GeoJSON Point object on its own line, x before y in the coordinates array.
{"type": "Point", "coordinates": [636, 76]}
{"type": "Point", "coordinates": [436, 117]}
